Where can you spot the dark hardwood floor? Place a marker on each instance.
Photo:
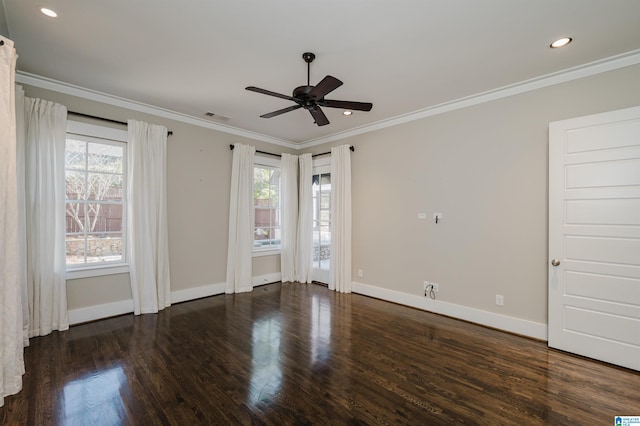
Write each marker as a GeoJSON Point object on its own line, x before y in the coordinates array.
{"type": "Point", "coordinates": [300, 354]}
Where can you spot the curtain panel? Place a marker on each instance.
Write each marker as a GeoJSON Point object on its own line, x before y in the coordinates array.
{"type": "Point", "coordinates": [241, 221]}
{"type": "Point", "coordinates": [304, 249]}
{"type": "Point", "coordinates": [340, 277]}
{"type": "Point", "coordinates": [12, 272]}
{"type": "Point", "coordinates": [147, 217]}
{"type": "Point", "coordinates": [44, 126]}
{"type": "Point", "coordinates": [289, 216]}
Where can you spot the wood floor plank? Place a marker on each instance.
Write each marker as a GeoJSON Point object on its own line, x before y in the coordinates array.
{"type": "Point", "coordinates": [301, 354]}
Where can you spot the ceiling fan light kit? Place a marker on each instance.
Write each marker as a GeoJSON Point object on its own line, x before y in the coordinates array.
{"type": "Point", "coordinates": [312, 98]}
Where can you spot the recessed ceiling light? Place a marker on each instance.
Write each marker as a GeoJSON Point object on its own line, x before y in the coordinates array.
{"type": "Point", "coordinates": [347, 112]}
{"type": "Point", "coordinates": [561, 42]}
{"type": "Point", "coordinates": [48, 12]}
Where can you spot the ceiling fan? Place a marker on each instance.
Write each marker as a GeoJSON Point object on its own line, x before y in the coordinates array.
{"type": "Point", "coordinates": [312, 98]}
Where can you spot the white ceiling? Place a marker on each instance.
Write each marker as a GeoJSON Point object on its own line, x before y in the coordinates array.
{"type": "Point", "coordinates": [195, 56]}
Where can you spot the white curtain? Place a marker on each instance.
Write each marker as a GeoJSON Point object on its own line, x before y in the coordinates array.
{"type": "Point", "coordinates": [340, 278]}
{"type": "Point", "coordinates": [304, 250]}
{"type": "Point", "coordinates": [11, 272]}
{"type": "Point", "coordinates": [147, 217]}
{"type": "Point", "coordinates": [288, 216]}
{"type": "Point", "coordinates": [44, 126]}
{"type": "Point", "coordinates": [241, 221]}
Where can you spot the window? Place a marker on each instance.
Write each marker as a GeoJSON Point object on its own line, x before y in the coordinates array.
{"type": "Point", "coordinates": [95, 178]}
{"type": "Point", "coordinates": [321, 189]}
{"type": "Point", "coordinates": [266, 198]}
{"type": "Point", "coordinates": [321, 194]}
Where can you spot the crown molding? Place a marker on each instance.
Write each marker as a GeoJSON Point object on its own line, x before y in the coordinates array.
{"type": "Point", "coordinates": [81, 92]}
{"type": "Point", "coordinates": [585, 70]}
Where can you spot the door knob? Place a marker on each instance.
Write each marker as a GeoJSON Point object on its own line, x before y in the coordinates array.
{"type": "Point", "coordinates": [555, 262]}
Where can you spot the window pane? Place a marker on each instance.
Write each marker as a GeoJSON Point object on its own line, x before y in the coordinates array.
{"type": "Point", "coordinates": [275, 196]}
{"type": "Point", "coordinates": [101, 248]}
{"type": "Point", "coordinates": [325, 235]}
{"type": "Point", "coordinates": [261, 233]}
{"type": "Point", "coordinates": [325, 179]}
{"type": "Point", "coordinates": [261, 187]}
{"type": "Point", "coordinates": [325, 201]}
{"type": "Point", "coordinates": [103, 218]}
{"type": "Point", "coordinates": [105, 158]}
{"type": "Point", "coordinates": [324, 216]}
{"type": "Point", "coordinates": [75, 217]}
{"type": "Point", "coordinates": [75, 155]}
{"type": "Point", "coordinates": [104, 186]}
{"type": "Point", "coordinates": [262, 217]}
{"type": "Point", "coordinates": [272, 235]}
{"type": "Point", "coordinates": [75, 185]}
{"type": "Point", "coordinates": [75, 249]}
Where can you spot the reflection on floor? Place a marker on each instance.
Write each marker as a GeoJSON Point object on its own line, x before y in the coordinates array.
{"type": "Point", "coordinates": [301, 354]}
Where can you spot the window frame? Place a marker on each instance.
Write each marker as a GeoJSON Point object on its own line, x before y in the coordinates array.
{"type": "Point", "coordinates": [110, 136]}
{"type": "Point", "coordinates": [272, 163]}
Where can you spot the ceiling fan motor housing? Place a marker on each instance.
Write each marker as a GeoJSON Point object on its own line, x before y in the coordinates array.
{"type": "Point", "coordinates": [301, 95]}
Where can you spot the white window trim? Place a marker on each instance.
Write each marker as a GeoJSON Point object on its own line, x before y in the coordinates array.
{"type": "Point", "coordinates": [97, 269]}
{"type": "Point", "coordinates": [321, 164]}
{"type": "Point", "coordinates": [266, 252]}
{"type": "Point", "coordinates": [266, 161]}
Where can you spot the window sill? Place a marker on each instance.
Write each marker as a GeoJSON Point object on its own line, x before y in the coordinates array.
{"type": "Point", "coordinates": [269, 252]}
{"type": "Point", "coordinates": [73, 274]}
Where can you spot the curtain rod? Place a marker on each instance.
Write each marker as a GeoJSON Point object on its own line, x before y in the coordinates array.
{"type": "Point", "coordinates": [351, 148]}
{"type": "Point", "coordinates": [169, 132]}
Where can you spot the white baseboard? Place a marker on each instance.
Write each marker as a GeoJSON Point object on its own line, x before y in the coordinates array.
{"type": "Point", "coordinates": [490, 319]}
{"type": "Point", "coordinates": [197, 292]}
{"type": "Point", "coordinates": [96, 312]}
{"type": "Point", "coordinates": [267, 279]}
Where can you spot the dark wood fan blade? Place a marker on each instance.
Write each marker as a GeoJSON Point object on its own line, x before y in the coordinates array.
{"type": "Point", "coordinates": [319, 116]}
{"type": "Point", "coordinates": [327, 85]}
{"type": "Point", "coordinates": [358, 106]}
{"type": "Point", "coordinates": [269, 92]}
{"type": "Point", "coordinates": [281, 111]}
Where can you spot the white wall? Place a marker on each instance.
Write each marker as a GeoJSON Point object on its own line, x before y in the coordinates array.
{"type": "Point", "coordinates": [485, 168]}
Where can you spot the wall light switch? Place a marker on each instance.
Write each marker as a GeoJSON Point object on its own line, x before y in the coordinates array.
{"type": "Point", "coordinates": [422, 215]}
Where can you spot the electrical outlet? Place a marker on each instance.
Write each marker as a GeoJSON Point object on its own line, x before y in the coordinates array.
{"type": "Point", "coordinates": [436, 287]}
{"type": "Point", "coordinates": [360, 273]}
{"type": "Point", "coordinates": [499, 300]}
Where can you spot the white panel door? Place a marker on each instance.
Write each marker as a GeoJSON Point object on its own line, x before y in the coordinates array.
{"type": "Point", "coordinates": [594, 236]}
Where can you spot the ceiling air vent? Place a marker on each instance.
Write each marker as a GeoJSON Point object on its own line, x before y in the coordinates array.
{"type": "Point", "coordinates": [217, 116]}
